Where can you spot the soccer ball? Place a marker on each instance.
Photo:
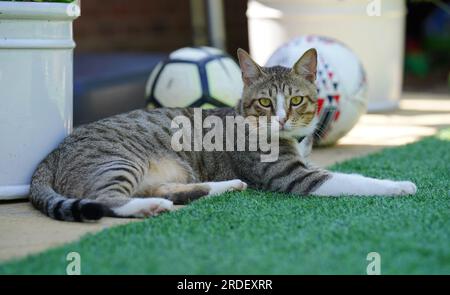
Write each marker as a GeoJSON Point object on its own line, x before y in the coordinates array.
{"type": "Point", "coordinates": [341, 84]}
{"type": "Point", "coordinates": [195, 77]}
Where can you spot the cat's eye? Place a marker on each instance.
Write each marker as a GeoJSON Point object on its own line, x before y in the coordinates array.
{"type": "Point", "coordinates": [296, 100]}
{"type": "Point", "coordinates": [265, 102]}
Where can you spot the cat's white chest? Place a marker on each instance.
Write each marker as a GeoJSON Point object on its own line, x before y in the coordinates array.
{"type": "Point", "coordinates": [304, 148]}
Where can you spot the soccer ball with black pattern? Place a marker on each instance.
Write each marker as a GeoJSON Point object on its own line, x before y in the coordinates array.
{"type": "Point", "coordinates": [195, 77]}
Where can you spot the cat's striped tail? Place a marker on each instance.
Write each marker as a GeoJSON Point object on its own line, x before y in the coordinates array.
{"type": "Point", "coordinates": [54, 205]}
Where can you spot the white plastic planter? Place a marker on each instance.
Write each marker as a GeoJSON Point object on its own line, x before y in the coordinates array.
{"type": "Point", "coordinates": [373, 29]}
{"type": "Point", "coordinates": [36, 59]}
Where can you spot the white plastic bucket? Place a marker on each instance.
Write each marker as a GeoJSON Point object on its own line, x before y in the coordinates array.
{"type": "Point", "coordinates": [373, 29]}
{"type": "Point", "coordinates": [36, 60]}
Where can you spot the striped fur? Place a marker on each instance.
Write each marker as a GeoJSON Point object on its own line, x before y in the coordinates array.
{"type": "Point", "coordinates": [110, 167]}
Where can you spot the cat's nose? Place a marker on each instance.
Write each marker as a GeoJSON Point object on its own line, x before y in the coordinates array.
{"type": "Point", "coordinates": [282, 121]}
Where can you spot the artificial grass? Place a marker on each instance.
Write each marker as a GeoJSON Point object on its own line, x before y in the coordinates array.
{"type": "Point", "coordinates": [264, 233]}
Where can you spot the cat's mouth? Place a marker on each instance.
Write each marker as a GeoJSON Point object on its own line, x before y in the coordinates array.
{"type": "Point", "coordinates": [288, 130]}
{"type": "Point", "coordinates": [286, 126]}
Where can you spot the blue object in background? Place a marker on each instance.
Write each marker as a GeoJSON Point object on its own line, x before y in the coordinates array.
{"type": "Point", "coordinates": [437, 23]}
{"type": "Point", "coordinates": [108, 84]}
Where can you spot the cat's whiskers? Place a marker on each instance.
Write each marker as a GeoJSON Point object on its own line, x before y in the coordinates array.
{"type": "Point", "coordinates": [319, 132]}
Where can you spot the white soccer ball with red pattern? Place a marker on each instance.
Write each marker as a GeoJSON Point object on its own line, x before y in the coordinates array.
{"type": "Point", "coordinates": [341, 83]}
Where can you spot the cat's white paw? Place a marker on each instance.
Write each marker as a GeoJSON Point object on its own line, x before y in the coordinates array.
{"type": "Point", "coordinates": [237, 185]}
{"type": "Point", "coordinates": [357, 185]}
{"type": "Point", "coordinates": [402, 188]}
{"type": "Point", "coordinates": [220, 187]}
{"type": "Point", "coordinates": [144, 207]}
{"type": "Point", "coordinates": [157, 206]}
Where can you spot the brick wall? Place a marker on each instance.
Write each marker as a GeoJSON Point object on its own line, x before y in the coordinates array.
{"type": "Point", "coordinates": [148, 25]}
{"type": "Point", "coordinates": [236, 25]}
{"type": "Point", "coordinates": [132, 25]}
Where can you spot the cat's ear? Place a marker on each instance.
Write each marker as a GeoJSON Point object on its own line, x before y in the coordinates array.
{"type": "Point", "coordinates": [306, 66]}
{"type": "Point", "coordinates": [249, 68]}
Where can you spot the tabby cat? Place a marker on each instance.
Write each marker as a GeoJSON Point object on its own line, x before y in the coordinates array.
{"type": "Point", "coordinates": [124, 166]}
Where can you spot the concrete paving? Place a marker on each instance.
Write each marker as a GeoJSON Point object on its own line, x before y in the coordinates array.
{"type": "Point", "coordinates": [24, 231]}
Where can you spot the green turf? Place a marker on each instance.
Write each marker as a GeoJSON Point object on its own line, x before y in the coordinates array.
{"type": "Point", "coordinates": [260, 233]}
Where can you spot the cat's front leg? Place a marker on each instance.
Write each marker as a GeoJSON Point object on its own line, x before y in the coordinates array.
{"type": "Point", "coordinates": [354, 184]}
{"type": "Point", "coordinates": [304, 147]}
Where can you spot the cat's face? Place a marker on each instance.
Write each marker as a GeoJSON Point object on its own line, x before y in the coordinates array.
{"type": "Point", "coordinates": [289, 94]}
